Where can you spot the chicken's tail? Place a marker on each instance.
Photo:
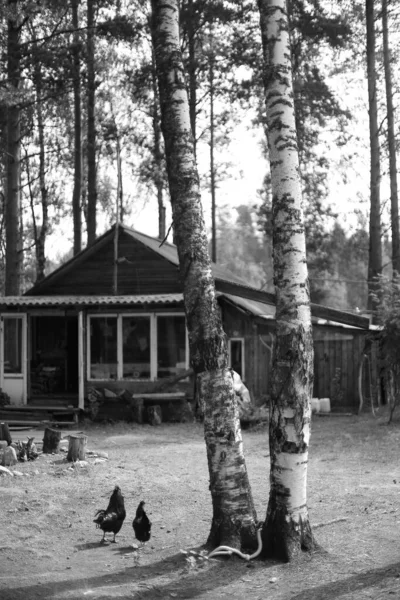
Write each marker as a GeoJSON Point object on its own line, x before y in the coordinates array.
{"type": "Point", "coordinates": [99, 517]}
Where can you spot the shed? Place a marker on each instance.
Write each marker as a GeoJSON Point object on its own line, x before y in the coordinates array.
{"type": "Point", "coordinates": [113, 317]}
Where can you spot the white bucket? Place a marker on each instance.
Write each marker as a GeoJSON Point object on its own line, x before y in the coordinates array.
{"type": "Point", "coordinates": [315, 405]}
{"type": "Point", "coordinates": [324, 405]}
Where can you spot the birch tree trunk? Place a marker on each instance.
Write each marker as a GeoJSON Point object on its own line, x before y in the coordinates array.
{"type": "Point", "coordinates": [12, 205]}
{"type": "Point", "coordinates": [286, 529]}
{"type": "Point", "coordinates": [158, 154]}
{"type": "Point", "coordinates": [234, 517]}
{"type": "Point", "coordinates": [375, 241]}
{"type": "Point", "coordinates": [394, 196]}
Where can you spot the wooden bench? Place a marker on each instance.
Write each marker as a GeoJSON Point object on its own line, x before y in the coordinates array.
{"type": "Point", "coordinates": [161, 399]}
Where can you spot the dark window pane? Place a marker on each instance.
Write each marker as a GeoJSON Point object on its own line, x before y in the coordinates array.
{"type": "Point", "coordinates": [12, 345]}
{"type": "Point", "coordinates": [103, 348]}
{"type": "Point", "coordinates": [136, 347]}
{"type": "Point", "coordinates": [171, 346]}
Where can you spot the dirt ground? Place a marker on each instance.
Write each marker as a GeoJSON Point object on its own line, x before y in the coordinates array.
{"type": "Point", "coordinates": [50, 548]}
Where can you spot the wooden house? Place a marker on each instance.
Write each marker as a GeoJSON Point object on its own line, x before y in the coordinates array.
{"type": "Point", "coordinates": [113, 317]}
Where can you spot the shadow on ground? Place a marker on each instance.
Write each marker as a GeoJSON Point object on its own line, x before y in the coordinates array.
{"type": "Point", "coordinates": [356, 583]}
{"type": "Point", "coordinates": [214, 579]}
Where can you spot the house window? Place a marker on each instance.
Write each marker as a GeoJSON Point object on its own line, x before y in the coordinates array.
{"type": "Point", "coordinates": [236, 355]}
{"type": "Point", "coordinates": [12, 345]}
{"type": "Point", "coordinates": [171, 345]}
{"type": "Point", "coordinates": [103, 347]}
{"type": "Point", "coordinates": [136, 347]}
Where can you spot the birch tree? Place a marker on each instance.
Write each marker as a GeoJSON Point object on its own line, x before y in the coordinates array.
{"type": "Point", "coordinates": [286, 529]}
{"type": "Point", "coordinates": [234, 517]}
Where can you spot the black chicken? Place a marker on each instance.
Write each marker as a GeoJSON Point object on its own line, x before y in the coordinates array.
{"type": "Point", "coordinates": [141, 524]}
{"type": "Point", "coordinates": [111, 519]}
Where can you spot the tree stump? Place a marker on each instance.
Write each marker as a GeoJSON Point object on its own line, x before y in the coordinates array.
{"type": "Point", "coordinates": [77, 447]}
{"type": "Point", "coordinates": [5, 433]}
{"type": "Point", "coordinates": [51, 441]}
{"type": "Point", "coordinates": [9, 457]}
{"type": "Point", "coordinates": [137, 406]}
{"type": "Point", "coordinates": [154, 414]}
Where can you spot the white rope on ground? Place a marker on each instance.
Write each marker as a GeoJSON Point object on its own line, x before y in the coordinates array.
{"type": "Point", "coordinates": [227, 551]}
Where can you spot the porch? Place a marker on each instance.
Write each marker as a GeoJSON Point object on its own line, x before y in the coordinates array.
{"type": "Point", "coordinates": [53, 350]}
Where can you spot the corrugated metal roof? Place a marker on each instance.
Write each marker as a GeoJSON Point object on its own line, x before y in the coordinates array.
{"type": "Point", "coordinates": [90, 300]}
{"type": "Point", "coordinates": [259, 309]}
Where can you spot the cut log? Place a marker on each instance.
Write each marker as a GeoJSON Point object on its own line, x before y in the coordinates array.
{"type": "Point", "coordinates": [154, 414]}
{"type": "Point", "coordinates": [51, 441]}
{"type": "Point", "coordinates": [9, 457]}
{"type": "Point", "coordinates": [5, 433]}
{"type": "Point", "coordinates": [180, 412]}
{"type": "Point", "coordinates": [137, 409]}
{"type": "Point", "coordinates": [77, 447]}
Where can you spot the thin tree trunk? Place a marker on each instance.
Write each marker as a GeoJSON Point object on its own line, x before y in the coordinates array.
{"type": "Point", "coordinates": [40, 233]}
{"type": "Point", "coordinates": [394, 197]}
{"type": "Point", "coordinates": [375, 241]}
{"type": "Point", "coordinates": [91, 130]}
{"type": "Point", "coordinates": [77, 191]}
{"type": "Point", "coordinates": [286, 529]}
{"type": "Point", "coordinates": [13, 255]}
{"type": "Point", "coordinates": [158, 155]}
{"type": "Point", "coordinates": [120, 191]}
{"type": "Point", "coordinates": [234, 517]}
{"type": "Point", "coordinates": [41, 238]}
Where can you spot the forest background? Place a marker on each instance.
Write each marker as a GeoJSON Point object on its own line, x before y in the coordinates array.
{"type": "Point", "coordinates": [82, 145]}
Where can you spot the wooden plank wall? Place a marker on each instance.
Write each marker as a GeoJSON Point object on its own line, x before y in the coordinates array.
{"type": "Point", "coordinates": [337, 357]}
{"type": "Point", "coordinates": [142, 271]}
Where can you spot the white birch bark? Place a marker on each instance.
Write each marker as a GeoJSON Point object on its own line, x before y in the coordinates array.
{"type": "Point", "coordinates": [234, 518]}
{"type": "Point", "coordinates": [286, 529]}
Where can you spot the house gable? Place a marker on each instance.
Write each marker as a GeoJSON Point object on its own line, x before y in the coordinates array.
{"type": "Point", "coordinates": [140, 270]}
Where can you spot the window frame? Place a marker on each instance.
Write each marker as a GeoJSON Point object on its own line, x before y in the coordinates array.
{"type": "Point", "coordinates": [153, 342]}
